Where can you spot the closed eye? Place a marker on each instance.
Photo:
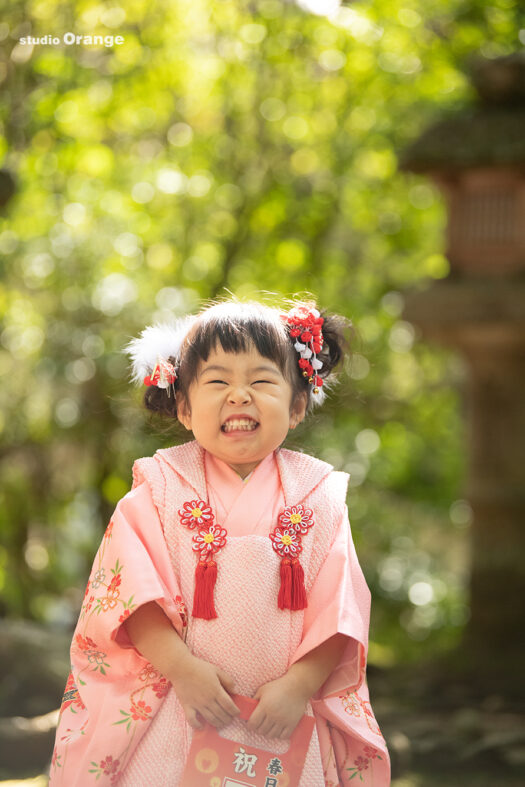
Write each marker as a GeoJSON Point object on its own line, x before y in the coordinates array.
{"type": "Point", "coordinates": [223, 382]}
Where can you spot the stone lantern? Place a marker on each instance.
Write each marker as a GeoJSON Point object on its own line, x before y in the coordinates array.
{"type": "Point", "coordinates": [476, 156]}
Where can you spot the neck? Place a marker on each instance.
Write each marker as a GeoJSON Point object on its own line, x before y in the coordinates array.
{"type": "Point", "coordinates": [244, 470]}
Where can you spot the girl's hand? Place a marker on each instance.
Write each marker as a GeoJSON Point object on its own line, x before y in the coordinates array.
{"type": "Point", "coordinates": [281, 706]}
{"type": "Point", "coordinates": [202, 688]}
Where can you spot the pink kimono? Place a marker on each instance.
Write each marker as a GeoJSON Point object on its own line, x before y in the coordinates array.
{"type": "Point", "coordinates": [120, 721]}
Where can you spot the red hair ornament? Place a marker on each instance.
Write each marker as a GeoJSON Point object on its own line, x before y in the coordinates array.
{"type": "Point", "coordinates": [150, 352]}
{"type": "Point", "coordinates": [163, 375]}
{"type": "Point", "coordinates": [305, 325]}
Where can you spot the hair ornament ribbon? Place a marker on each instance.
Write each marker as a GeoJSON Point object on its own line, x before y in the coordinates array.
{"type": "Point", "coordinates": [305, 325]}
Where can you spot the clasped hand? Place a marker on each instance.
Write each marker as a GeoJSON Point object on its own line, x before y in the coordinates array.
{"type": "Point", "coordinates": [204, 691]}
{"type": "Point", "coordinates": [281, 706]}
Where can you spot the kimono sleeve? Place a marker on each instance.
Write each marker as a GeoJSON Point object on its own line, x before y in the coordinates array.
{"type": "Point", "coordinates": [105, 707]}
{"type": "Point", "coordinates": [131, 568]}
{"type": "Point", "coordinates": [339, 602]}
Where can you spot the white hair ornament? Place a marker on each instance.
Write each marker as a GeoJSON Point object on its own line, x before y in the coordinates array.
{"type": "Point", "coordinates": [151, 351]}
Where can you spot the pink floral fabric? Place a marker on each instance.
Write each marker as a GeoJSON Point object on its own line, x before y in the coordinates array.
{"type": "Point", "coordinates": [116, 703]}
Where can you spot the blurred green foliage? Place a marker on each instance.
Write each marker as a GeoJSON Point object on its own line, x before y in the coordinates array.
{"type": "Point", "coordinates": [249, 146]}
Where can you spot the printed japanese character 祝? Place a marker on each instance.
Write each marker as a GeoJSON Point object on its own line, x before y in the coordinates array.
{"type": "Point", "coordinates": [245, 762]}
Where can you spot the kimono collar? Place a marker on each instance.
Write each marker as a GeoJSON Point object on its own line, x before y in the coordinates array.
{"type": "Point", "coordinates": [299, 473]}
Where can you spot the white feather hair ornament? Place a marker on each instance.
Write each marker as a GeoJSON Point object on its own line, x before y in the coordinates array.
{"type": "Point", "coordinates": [319, 397]}
{"type": "Point", "coordinates": [150, 352]}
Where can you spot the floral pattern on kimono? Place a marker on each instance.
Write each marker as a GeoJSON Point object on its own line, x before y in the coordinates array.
{"type": "Point", "coordinates": [113, 693]}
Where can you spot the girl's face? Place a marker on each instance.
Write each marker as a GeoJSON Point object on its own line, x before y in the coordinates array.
{"type": "Point", "coordinates": [240, 408]}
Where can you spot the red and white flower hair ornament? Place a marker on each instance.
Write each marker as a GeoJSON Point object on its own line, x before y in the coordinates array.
{"type": "Point", "coordinates": [305, 326]}
{"type": "Point", "coordinates": [150, 352]}
{"type": "Point", "coordinates": [163, 376]}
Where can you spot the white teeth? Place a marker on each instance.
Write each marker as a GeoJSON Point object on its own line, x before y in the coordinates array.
{"type": "Point", "coordinates": [245, 424]}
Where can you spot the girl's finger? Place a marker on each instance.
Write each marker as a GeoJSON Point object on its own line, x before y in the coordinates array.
{"type": "Point", "coordinates": [255, 721]}
{"type": "Point", "coordinates": [222, 713]}
{"type": "Point", "coordinates": [228, 705]}
{"type": "Point", "coordinates": [266, 728]}
{"type": "Point", "coordinates": [194, 721]}
{"type": "Point", "coordinates": [212, 718]}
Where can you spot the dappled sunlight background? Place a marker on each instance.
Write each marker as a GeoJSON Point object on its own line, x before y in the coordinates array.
{"type": "Point", "coordinates": [226, 147]}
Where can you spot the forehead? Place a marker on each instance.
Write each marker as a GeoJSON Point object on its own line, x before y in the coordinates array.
{"type": "Point", "coordinates": [250, 360]}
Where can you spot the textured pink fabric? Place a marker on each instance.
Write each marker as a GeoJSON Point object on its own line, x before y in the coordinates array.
{"type": "Point", "coordinates": [105, 738]}
{"type": "Point", "coordinates": [251, 639]}
{"type": "Point", "coordinates": [231, 498]}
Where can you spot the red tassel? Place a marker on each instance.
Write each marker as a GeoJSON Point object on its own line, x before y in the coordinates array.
{"type": "Point", "coordinates": [205, 578]}
{"type": "Point", "coordinates": [299, 600]}
{"type": "Point", "coordinates": [285, 592]}
{"type": "Point", "coordinates": [210, 580]}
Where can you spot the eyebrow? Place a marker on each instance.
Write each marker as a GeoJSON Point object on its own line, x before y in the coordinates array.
{"type": "Point", "coordinates": [217, 368]}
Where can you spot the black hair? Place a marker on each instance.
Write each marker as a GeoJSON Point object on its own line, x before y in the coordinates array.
{"type": "Point", "coordinates": [238, 326]}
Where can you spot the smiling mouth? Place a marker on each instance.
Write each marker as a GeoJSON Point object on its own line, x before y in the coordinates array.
{"type": "Point", "coordinates": [240, 425]}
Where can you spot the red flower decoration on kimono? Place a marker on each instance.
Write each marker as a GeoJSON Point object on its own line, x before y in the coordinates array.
{"type": "Point", "coordinates": [114, 584]}
{"type": "Point", "coordinates": [196, 512]}
{"type": "Point", "coordinates": [297, 517]}
{"type": "Point", "coordinates": [140, 711]}
{"type": "Point", "coordinates": [71, 695]}
{"type": "Point", "coordinates": [161, 688]}
{"type": "Point", "coordinates": [286, 542]}
{"type": "Point", "coordinates": [109, 766]}
{"type": "Point", "coordinates": [85, 643]}
{"type": "Point", "coordinates": [208, 542]}
{"type": "Point", "coordinates": [294, 523]}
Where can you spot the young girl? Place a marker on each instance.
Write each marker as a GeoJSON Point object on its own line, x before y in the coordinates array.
{"type": "Point", "coordinates": [228, 568]}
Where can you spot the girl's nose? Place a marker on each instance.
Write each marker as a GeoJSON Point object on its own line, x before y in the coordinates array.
{"type": "Point", "coordinates": [239, 394]}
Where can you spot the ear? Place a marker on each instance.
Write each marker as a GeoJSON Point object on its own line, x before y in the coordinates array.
{"type": "Point", "coordinates": [298, 409]}
{"type": "Point", "coordinates": [184, 414]}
